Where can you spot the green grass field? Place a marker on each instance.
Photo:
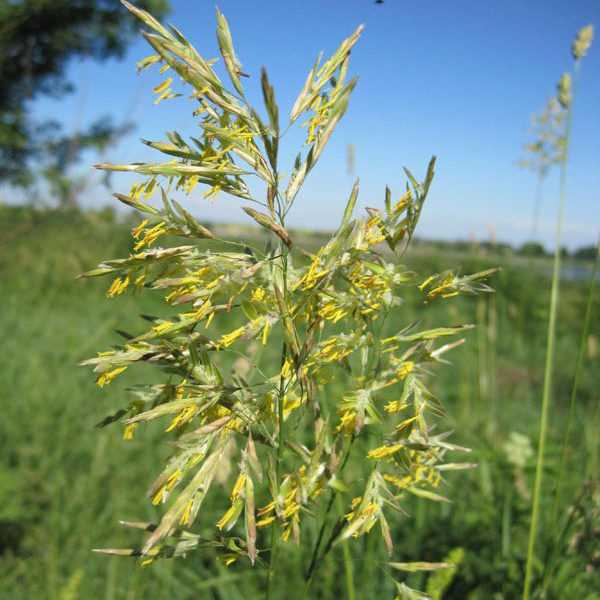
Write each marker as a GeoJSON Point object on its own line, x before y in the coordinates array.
{"type": "Point", "coordinates": [65, 484]}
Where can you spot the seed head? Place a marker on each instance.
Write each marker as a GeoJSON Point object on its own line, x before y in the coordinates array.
{"type": "Point", "coordinates": [582, 42]}
{"type": "Point", "coordinates": [564, 90]}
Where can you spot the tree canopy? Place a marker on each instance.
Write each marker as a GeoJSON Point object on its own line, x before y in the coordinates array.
{"type": "Point", "coordinates": [37, 40]}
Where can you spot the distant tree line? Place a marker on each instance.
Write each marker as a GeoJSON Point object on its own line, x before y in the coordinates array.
{"type": "Point", "coordinates": [529, 248]}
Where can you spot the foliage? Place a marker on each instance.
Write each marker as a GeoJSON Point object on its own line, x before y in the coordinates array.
{"type": "Point", "coordinates": [63, 486]}
{"type": "Point", "coordinates": [37, 39]}
{"type": "Point", "coordinates": [586, 252]}
{"type": "Point", "coordinates": [441, 580]}
{"type": "Point", "coordinates": [532, 249]}
{"type": "Point", "coordinates": [63, 151]}
{"type": "Point", "coordinates": [288, 434]}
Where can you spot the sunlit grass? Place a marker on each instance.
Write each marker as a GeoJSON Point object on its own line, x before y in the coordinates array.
{"type": "Point", "coordinates": [62, 491]}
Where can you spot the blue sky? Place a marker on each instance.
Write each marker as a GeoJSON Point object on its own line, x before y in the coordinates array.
{"type": "Point", "coordinates": [456, 79]}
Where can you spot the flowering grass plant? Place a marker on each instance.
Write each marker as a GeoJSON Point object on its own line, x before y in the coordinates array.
{"type": "Point", "coordinates": [288, 436]}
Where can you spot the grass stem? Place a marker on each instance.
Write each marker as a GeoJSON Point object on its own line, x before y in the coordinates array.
{"type": "Point", "coordinates": [315, 553]}
{"type": "Point", "coordinates": [280, 424]}
{"type": "Point", "coordinates": [549, 364]}
{"type": "Point", "coordinates": [314, 562]}
{"type": "Point", "coordinates": [348, 564]}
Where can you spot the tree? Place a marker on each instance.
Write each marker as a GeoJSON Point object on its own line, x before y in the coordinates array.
{"type": "Point", "coordinates": [37, 40]}
{"type": "Point", "coordinates": [532, 249]}
{"type": "Point", "coordinates": [586, 252]}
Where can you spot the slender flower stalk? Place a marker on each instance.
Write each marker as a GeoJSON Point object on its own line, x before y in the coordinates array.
{"type": "Point", "coordinates": [548, 370]}
{"type": "Point", "coordinates": [348, 565]}
{"type": "Point", "coordinates": [280, 425]}
{"type": "Point", "coordinates": [565, 93]}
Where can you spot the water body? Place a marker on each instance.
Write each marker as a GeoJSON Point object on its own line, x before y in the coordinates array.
{"type": "Point", "coordinates": [572, 272]}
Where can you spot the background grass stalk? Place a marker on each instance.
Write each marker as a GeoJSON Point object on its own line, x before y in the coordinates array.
{"type": "Point", "coordinates": [482, 351]}
{"type": "Point", "coordinates": [549, 365]}
{"type": "Point", "coordinates": [492, 335]}
{"type": "Point", "coordinates": [315, 554]}
{"type": "Point", "coordinates": [558, 489]}
{"type": "Point", "coordinates": [348, 566]}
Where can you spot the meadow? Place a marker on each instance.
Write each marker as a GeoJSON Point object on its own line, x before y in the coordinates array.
{"type": "Point", "coordinates": [65, 484]}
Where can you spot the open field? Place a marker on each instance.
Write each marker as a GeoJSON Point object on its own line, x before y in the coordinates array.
{"type": "Point", "coordinates": [64, 484]}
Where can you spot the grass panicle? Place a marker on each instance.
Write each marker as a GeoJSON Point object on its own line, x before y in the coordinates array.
{"type": "Point", "coordinates": [327, 310]}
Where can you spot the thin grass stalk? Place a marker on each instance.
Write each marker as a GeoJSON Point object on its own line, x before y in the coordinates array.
{"type": "Point", "coordinates": [482, 351]}
{"type": "Point", "coordinates": [314, 562]}
{"type": "Point", "coordinates": [279, 454]}
{"type": "Point", "coordinates": [281, 433]}
{"type": "Point", "coordinates": [549, 365]}
{"type": "Point", "coordinates": [558, 489]}
{"type": "Point", "coordinates": [349, 572]}
{"type": "Point", "coordinates": [348, 564]}
{"type": "Point", "coordinates": [315, 554]}
{"type": "Point", "coordinates": [272, 562]}
{"type": "Point", "coordinates": [492, 336]}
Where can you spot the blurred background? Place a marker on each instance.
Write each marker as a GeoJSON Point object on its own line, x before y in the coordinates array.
{"type": "Point", "coordinates": [459, 80]}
